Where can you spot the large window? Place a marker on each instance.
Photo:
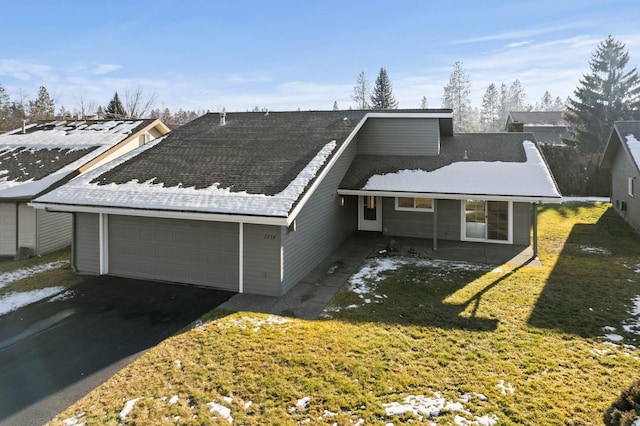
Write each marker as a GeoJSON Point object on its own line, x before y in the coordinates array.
{"type": "Point", "coordinates": [487, 220]}
{"type": "Point", "coordinates": [414, 204]}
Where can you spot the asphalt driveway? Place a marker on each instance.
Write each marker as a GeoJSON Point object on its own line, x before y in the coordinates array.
{"type": "Point", "coordinates": [54, 352]}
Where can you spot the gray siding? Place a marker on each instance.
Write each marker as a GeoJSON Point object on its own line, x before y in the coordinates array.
{"type": "Point", "coordinates": [621, 171]}
{"type": "Point", "coordinates": [185, 251]}
{"type": "Point", "coordinates": [262, 264]}
{"type": "Point", "coordinates": [321, 226]}
{"type": "Point", "coordinates": [7, 229]}
{"type": "Point", "coordinates": [401, 223]}
{"type": "Point", "coordinates": [521, 223]}
{"type": "Point", "coordinates": [53, 231]}
{"type": "Point", "coordinates": [86, 243]}
{"type": "Point", "coordinates": [27, 227]}
{"type": "Point", "coordinates": [399, 136]}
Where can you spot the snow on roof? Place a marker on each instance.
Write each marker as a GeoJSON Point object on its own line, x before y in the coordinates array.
{"type": "Point", "coordinates": [151, 196]}
{"type": "Point", "coordinates": [94, 138]}
{"type": "Point", "coordinates": [498, 178]}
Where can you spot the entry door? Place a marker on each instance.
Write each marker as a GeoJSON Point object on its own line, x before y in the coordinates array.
{"type": "Point", "coordinates": [487, 221]}
{"type": "Point", "coordinates": [370, 213]}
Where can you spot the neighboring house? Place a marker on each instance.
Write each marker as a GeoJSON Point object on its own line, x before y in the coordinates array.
{"type": "Point", "coordinates": [251, 202]}
{"type": "Point", "coordinates": [44, 155]}
{"type": "Point", "coordinates": [548, 127]}
{"type": "Point", "coordinates": [622, 157]}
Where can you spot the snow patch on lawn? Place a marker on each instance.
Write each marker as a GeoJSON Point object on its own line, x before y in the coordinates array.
{"type": "Point", "coordinates": [75, 420]}
{"type": "Point", "coordinates": [253, 323]}
{"type": "Point", "coordinates": [128, 408]}
{"type": "Point", "coordinates": [7, 278]}
{"type": "Point", "coordinates": [221, 410]}
{"type": "Point", "coordinates": [12, 301]}
{"type": "Point", "coordinates": [423, 407]}
{"type": "Point", "coordinates": [632, 325]}
{"type": "Point", "coordinates": [595, 250]}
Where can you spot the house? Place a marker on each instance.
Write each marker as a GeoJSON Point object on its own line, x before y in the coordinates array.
{"type": "Point", "coordinates": [251, 202]}
{"type": "Point", "coordinates": [44, 155]}
{"type": "Point", "coordinates": [548, 127]}
{"type": "Point", "coordinates": [622, 157]}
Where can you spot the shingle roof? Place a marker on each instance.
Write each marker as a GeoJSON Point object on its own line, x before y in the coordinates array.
{"type": "Point", "coordinates": [474, 146]}
{"type": "Point", "coordinates": [49, 152]}
{"type": "Point", "coordinates": [501, 164]}
{"type": "Point", "coordinates": [628, 134]}
{"type": "Point", "coordinates": [256, 153]}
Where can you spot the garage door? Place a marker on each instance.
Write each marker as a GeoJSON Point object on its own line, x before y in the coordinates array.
{"type": "Point", "coordinates": [183, 251]}
{"type": "Point", "coordinates": [7, 229]}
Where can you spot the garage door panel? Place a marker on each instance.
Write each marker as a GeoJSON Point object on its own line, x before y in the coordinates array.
{"type": "Point", "coordinates": [193, 252]}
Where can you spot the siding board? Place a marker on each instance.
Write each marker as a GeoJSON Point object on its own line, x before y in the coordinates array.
{"type": "Point", "coordinates": [8, 229]}
{"type": "Point", "coordinates": [27, 227]}
{"type": "Point", "coordinates": [53, 231]}
{"type": "Point", "coordinates": [399, 136]}
{"type": "Point", "coordinates": [86, 243]}
{"type": "Point", "coordinates": [262, 259]}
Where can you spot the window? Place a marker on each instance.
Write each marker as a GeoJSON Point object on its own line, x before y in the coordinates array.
{"type": "Point", "coordinates": [414, 204]}
{"type": "Point", "coordinates": [630, 186]}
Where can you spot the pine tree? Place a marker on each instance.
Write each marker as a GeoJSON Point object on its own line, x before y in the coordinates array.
{"type": "Point", "coordinates": [457, 96]}
{"type": "Point", "coordinates": [42, 107]}
{"type": "Point", "coordinates": [5, 110]}
{"type": "Point", "coordinates": [361, 92]}
{"type": "Point", "coordinates": [115, 109]}
{"type": "Point", "coordinates": [423, 103]}
{"type": "Point", "coordinates": [517, 99]}
{"type": "Point", "coordinates": [382, 96]}
{"type": "Point", "coordinates": [607, 94]}
{"type": "Point", "coordinates": [490, 112]}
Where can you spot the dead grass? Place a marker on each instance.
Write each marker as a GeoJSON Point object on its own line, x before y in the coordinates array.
{"type": "Point", "coordinates": [521, 344]}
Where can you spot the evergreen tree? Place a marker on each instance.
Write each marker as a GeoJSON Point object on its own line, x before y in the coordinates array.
{"type": "Point", "coordinates": [457, 96]}
{"type": "Point", "coordinates": [42, 107]}
{"type": "Point", "coordinates": [5, 110]}
{"type": "Point", "coordinates": [516, 98]}
{"type": "Point", "coordinates": [361, 92]}
{"type": "Point", "coordinates": [115, 109]}
{"type": "Point", "coordinates": [547, 103]}
{"type": "Point", "coordinates": [382, 96]}
{"type": "Point", "coordinates": [423, 103]}
{"type": "Point", "coordinates": [607, 94]}
{"type": "Point", "coordinates": [490, 113]}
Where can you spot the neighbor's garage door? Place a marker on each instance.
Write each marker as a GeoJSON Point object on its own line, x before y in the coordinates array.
{"type": "Point", "coordinates": [183, 251]}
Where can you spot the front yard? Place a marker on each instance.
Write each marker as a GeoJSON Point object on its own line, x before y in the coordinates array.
{"type": "Point", "coordinates": [412, 340]}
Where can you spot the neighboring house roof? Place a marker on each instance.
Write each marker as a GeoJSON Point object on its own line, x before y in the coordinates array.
{"type": "Point", "coordinates": [483, 164]}
{"type": "Point", "coordinates": [537, 118]}
{"type": "Point", "coordinates": [48, 153]}
{"type": "Point", "coordinates": [625, 135]}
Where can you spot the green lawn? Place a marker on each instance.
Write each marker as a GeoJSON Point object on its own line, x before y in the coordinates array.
{"type": "Point", "coordinates": [408, 340]}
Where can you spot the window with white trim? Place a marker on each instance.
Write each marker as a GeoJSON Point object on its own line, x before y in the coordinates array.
{"type": "Point", "coordinates": [414, 204]}
{"type": "Point", "coordinates": [630, 186]}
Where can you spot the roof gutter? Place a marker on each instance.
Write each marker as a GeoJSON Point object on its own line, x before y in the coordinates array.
{"type": "Point", "coordinates": [453, 196]}
{"type": "Point", "coordinates": [164, 214]}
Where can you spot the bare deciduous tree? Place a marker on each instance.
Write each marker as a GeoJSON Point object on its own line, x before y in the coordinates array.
{"type": "Point", "coordinates": [136, 103]}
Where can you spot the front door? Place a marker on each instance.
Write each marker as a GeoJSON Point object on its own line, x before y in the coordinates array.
{"type": "Point", "coordinates": [487, 221]}
{"type": "Point", "coordinates": [369, 213]}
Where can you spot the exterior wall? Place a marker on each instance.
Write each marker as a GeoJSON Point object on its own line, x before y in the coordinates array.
{"type": "Point", "coordinates": [321, 226]}
{"type": "Point", "coordinates": [86, 243]}
{"type": "Point", "coordinates": [420, 224]}
{"type": "Point", "coordinates": [262, 261]}
{"type": "Point", "coordinates": [27, 227]}
{"type": "Point", "coordinates": [521, 224]}
{"type": "Point", "coordinates": [8, 229]}
{"type": "Point", "coordinates": [183, 251]}
{"type": "Point", "coordinates": [53, 231]}
{"type": "Point", "coordinates": [621, 170]}
{"type": "Point", "coordinates": [399, 136]}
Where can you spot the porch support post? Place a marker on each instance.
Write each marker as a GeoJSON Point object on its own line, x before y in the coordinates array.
{"type": "Point", "coordinates": [435, 224]}
{"type": "Point", "coordinates": [535, 229]}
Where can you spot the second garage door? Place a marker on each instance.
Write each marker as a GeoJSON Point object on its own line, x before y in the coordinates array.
{"type": "Point", "coordinates": [184, 251]}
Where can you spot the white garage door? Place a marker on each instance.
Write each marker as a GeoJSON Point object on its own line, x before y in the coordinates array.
{"type": "Point", "coordinates": [183, 251]}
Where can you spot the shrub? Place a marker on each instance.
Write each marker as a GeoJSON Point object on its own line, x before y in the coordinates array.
{"type": "Point", "coordinates": [626, 409]}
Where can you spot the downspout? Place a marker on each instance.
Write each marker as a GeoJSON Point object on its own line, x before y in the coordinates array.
{"type": "Point", "coordinates": [435, 224]}
{"type": "Point", "coordinates": [73, 242]}
{"type": "Point", "coordinates": [240, 257]}
{"type": "Point", "coordinates": [17, 228]}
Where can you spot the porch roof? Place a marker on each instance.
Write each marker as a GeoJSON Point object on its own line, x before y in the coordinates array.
{"type": "Point", "coordinates": [491, 166]}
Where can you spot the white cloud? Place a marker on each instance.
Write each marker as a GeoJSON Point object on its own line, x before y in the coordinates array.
{"type": "Point", "coordinates": [105, 68]}
{"type": "Point", "coordinates": [525, 32]}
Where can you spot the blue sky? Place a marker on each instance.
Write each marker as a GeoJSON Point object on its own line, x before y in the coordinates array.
{"type": "Point", "coordinates": [285, 55]}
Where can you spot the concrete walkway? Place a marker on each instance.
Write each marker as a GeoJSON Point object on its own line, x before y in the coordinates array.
{"type": "Point", "coordinates": [309, 297]}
